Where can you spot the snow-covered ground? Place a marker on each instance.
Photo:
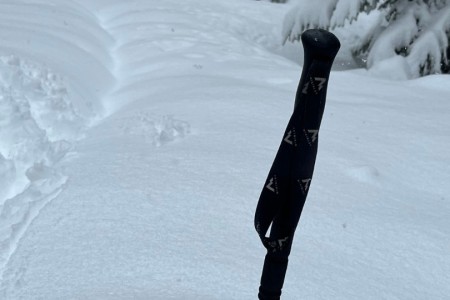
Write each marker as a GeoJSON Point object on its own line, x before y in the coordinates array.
{"type": "Point", "coordinates": [135, 138]}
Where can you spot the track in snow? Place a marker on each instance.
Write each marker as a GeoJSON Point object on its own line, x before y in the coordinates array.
{"type": "Point", "coordinates": [48, 58]}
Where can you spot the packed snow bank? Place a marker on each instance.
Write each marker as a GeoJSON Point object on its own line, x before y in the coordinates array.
{"type": "Point", "coordinates": [65, 37]}
{"type": "Point", "coordinates": [37, 123]}
{"type": "Point", "coordinates": [51, 53]}
{"type": "Point", "coordinates": [178, 45]}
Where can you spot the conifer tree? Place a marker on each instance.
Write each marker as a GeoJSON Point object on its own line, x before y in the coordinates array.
{"type": "Point", "coordinates": [416, 30]}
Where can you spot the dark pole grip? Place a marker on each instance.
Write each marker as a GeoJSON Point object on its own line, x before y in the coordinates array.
{"type": "Point", "coordinates": [318, 45]}
{"type": "Point", "coordinates": [287, 185]}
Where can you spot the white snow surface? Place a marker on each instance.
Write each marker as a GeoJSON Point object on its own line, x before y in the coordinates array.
{"type": "Point", "coordinates": [135, 138]}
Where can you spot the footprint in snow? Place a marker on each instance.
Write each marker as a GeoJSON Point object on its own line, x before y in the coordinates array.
{"type": "Point", "coordinates": [157, 130]}
{"type": "Point", "coordinates": [365, 174]}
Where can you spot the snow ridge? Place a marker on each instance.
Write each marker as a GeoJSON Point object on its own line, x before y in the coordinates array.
{"type": "Point", "coordinates": [46, 104]}
{"type": "Point", "coordinates": [38, 121]}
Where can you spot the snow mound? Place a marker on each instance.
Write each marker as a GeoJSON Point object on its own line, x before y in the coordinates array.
{"type": "Point", "coordinates": [395, 68]}
{"type": "Point", "coordinates": [364, 174]}
{"type": "Point", "coordinates": [63, 35]}
{"type": "Point", "coordinates": [38, 123]}
{"type": "Point", "coordinates": [44, 93]}
{"type": "Point", "coordinates": [55, 67]}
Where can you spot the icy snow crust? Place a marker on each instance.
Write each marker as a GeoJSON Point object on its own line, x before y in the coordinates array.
{"type": "Point", "coordinates": [135, 138]}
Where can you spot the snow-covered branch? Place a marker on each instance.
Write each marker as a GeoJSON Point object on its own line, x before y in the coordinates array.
{"type": "Point", "coordinates": [417, 32]}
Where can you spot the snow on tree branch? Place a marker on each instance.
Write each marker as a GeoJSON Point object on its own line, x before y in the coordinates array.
{"type": "Point", "coordinates": [415, 31]}
{"type": "Point", "coordinates": [306, 15]}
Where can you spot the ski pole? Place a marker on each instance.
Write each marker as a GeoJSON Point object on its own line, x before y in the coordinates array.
{"type": "Point", "coordinates": [284, 193]}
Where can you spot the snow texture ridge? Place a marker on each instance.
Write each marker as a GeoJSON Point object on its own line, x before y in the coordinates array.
{"type": "Point", "coordinates": [38, 122]}
{"type": "Point", "coordinates": [43, 112]}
